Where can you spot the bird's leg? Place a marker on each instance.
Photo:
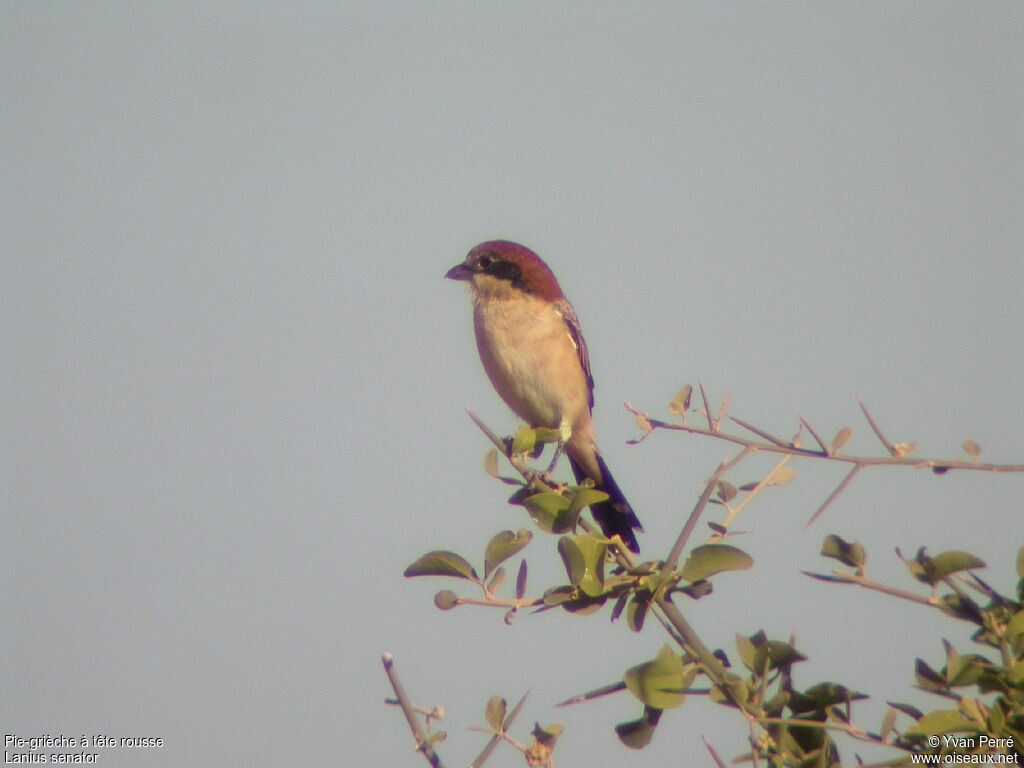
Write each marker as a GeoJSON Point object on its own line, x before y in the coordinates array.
{"type": "Point", "coordinates": [564, 433]}
{"type": "Point", "coordinates": [559, 447]}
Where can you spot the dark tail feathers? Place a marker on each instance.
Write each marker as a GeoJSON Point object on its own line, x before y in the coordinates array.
{"type": "Point", "coordinates": [615, 516]}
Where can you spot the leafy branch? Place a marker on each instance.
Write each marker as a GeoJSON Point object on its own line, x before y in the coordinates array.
{"type": "Point", "coordinates": [787, 725]}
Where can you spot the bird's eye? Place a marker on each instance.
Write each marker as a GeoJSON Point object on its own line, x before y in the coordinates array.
{"type": "Point", "coordinates": [485, 262]}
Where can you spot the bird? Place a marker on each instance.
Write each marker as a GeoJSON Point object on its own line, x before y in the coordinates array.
{"type": "Point", "coordinates": [532, 349]}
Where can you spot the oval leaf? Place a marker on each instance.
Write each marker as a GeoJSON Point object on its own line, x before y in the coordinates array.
{"type": "Point", "coordinates": [681, 401]}
{"type": "Point", "coordinates": [954, 561]}
{"type": "Point", "coordinates": [594, 549]}
{"type": "Point", "coordinates": [524, 441]}
{"type": "Point", "coordinates": [498, 580]}
{"type": "Point", "coordinates": [777, 655]}
{"type": "Point", "coordinates": [548, 735]}
{"type": "Point", "coordinates": [521, 580]}
{"type": "Point", "coordinates": [780, 476]}
{"type": "Point", "coordinates": [502, 546]}
{"type": "Point", "coordinates": [442, 563]}
{"type": "Point", "coordinates": [851, 554]}
{"type": "Point", "coordinates": [495, 712]}
{"type": "Point", "coordinates": [710, 559]}
{"type": "Point", "coordinates": [545, 509]}
{"type": "Point", "coordinates": [446, 600]}
{"type": "Point", "coordinates": [636, 612]}
{"type": "Point", "coordinates": [557, 596]}
{"type": "Point", "coordinates": [636, 734]}
{"type": "Point", "coordinates": [491, 463]}
{"type": "Point", "coordinates": [941, 721]}
{"type": "Point", "coordinates": [572, 557]}
{"type": "Point", "coordinates": [584, 497]}
{"type": "Point", "coordinates": [842, 438]}
{"type": "Point", "coordinates": [972, 449]}
{"type": "Point", "coordinates": [726, 491]}
{"type": "Point", "coordinates": [658, 683]}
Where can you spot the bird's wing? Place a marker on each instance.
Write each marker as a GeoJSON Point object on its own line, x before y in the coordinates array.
{"type": "Point", "coordinates": [572, 324]}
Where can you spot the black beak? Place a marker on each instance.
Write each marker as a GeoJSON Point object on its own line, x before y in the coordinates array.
{"type": "Point", "coordinates": [459, 272]}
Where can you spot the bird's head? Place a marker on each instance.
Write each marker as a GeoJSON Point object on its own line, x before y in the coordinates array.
{"type": "Point", "coordinates": [500, 268]}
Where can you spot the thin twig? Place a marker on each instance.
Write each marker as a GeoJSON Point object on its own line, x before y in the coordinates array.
{"type": "Point", "coordinates": [691, 522]}
{"type": "Point", "coordinates": [707, 408]}
{"type": "Point", "coordinates": [761, 433]}
{"type": "Point", "coordinates": [714, 754]}
{"type": "Point", "coordinates": [751, 495]}
{"type": "Point", "coordinates": [509, 719]}
{"type": "Point", "coordinates": [888, 446]}
{"type": "Point", "coordinates": [832, 496]}
{"type": "Point", "coordinates": [852, 578]}
{"type": "Point", "coordinates": [594, 694]}
{"type": "Point", "coordinates": [939, 465]}
{"type": "Point", "coordinates": [824, 448]}
{"type": "Point", "coordinates": [409, 712]}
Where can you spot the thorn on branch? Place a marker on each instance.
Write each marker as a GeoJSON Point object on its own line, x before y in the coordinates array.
{"type": "Point", "coordinates": [888, 446]}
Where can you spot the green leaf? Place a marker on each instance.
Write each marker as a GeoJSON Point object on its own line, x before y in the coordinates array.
{"type": "Point", "coordinates": [521, 580]}
{"type": "Point", "coordinates": [931, 570]}
{"type": "Point", "coordinates": [524, 441]}
{"type": "Point", "coordinates": [446, 600]}
{"type": "Point", "coordinates": [967, 671]}
{"type": "Point", "coordinates": [594, 549]}
{"type": "Point", "coordinates": [635, 734]}
{"type": "Point", "coordinates": [543, 435]}
{"type": "Point", "coordinates": [1015, 674]}
{"type": "Point", "coordinates": [953, 561]}
{"type": "Point", "coordinates": [583, 498]}
{"type": "Point", "coordinates": [503, 546]}
{"type": "Point", "coordinates": [491, 463]}
{"type": "Point", "coordinates": [888, 723]}
{"type": "Point", "coordinates": [726, 491]}
{"type": "Point", "coordinates": [659, 683]}
{"type": "Point", "coordinates": [548, 510]}
{"type": "Point", "coordinates": [709, 559]}
{"type": "Point", "coordinates": [572, 558]}
{"type": "Point", "coordinates": [495, 712]}
{"type": "Point", "coordinates": [996, 719]}
{"type": "Point", "coordinates": [435, 738]}
{"type": "Point", "coordinates": [907, 709]}
{"type": "Point", "coordinates": [636, 612]}
{"type": "Point", "coordinates": [849, 554]}
{"type": "Point", "coordinates": [941, 721]}
{"type": "Point", "coordinates": [498, 579]}
{"type": "Point", "coordinates": [780, 476]}
{"type": "Point", "coordinates": [681, 401]}
{"type": "Point", "coordinates": [927, 678]}
{"type": "Point", "coordinates": [732, 689]}
{"type": "Point", "coordinates": [584, 558]}
{"type": "Point", "coordinates": [842, 438]}
{"type": "Point", "coordinates": [1015, 626]}
{"type": "Point", "coordinates": [821, 696]}
{"type": "Point", "coordinates": [440, 562]}
{"type": "Point", "coordinates": [745, 649]}
{"type": "Point", "coordinates": [547, 735]}
{"type": "Point", "coordinates": [557, 596]}
{"type": "Point", "coordinates": [777, 654]}
{"type": "Point", "coordinates": [582, 605]}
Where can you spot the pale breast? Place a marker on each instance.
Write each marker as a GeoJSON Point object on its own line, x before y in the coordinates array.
{"type": "Point", "coordinates": [531, 359]}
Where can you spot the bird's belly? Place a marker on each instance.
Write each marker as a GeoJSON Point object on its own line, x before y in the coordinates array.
{"type": "Point", "coordinates": [533, 364]}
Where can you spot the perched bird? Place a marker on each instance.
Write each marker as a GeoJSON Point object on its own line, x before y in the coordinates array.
{"type": "Point", "coordinates": [532, 349]}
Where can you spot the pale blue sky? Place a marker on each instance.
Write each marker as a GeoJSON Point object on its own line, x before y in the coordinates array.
{"type": "Point", "coordinates": [234, 379]}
